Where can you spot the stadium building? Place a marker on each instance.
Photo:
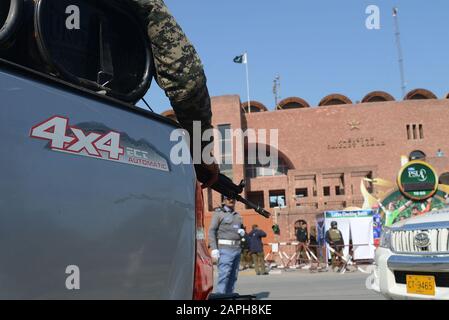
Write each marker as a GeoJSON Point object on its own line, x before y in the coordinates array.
{"type": "Point", "coordinates": [326, 152]}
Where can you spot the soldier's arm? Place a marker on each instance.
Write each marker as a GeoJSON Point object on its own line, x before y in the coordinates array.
{"type": "Point", "coordinates": [213, 228]}
{"type": "Point", "coordinates": [179, 71]}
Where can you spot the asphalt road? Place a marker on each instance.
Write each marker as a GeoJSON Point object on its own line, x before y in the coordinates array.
{"type": "Point", "coordinates": [303, 285]}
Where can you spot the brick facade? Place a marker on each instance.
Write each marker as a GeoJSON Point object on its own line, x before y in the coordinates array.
{"type": "Point", "coordinates": [334, 146]}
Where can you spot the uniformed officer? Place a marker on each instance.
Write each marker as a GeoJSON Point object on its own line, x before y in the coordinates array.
{"type": "Point", "coordinates": [225, 234]}
{"type": "Point", "coordinates": [179, 72]}
{"type": "Point", "coordinates": [335, 239]}
{"type": "Point", "coordinates": [302, 236]}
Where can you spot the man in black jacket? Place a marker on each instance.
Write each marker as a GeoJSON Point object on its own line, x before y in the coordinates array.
{"type": "Point", "coordinates": [302, 236]}
{"type": "Point", "coordinates": [256, 249]}
{"type": "Point", "coordinates": [245, 257]}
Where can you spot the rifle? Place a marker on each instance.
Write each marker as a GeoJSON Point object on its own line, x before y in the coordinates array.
{"type": "Point", "coordinates": [229, 189]}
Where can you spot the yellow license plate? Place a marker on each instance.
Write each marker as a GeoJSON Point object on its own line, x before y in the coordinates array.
{"type": "Point", "coordinates": [421, 285]}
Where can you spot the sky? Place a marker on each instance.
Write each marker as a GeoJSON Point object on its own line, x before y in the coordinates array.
{"type": "Point", "coordinates": [317, 47]}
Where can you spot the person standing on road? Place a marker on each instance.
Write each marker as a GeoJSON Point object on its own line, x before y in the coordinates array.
{"type": "Point", "coordinates": [225, 235]}
{"type": "Point", "coordinates": [256, 249]}
{"type": "Point", "coordinates": [335, 240]}
{"type": "Point", "coordinates": [313, 242]}
{"type": "Point", "coordinates": [245, 258]}
{"type": "Point", "coordinates": [302, 237]}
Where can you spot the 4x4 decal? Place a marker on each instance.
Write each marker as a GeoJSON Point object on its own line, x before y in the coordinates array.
{"type": "Point", "coordinates": [97, 141]}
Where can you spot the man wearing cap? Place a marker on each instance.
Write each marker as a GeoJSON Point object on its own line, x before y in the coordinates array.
{"type": "Point", "coordinates": [335, 240]}
{"type": "Point", "coordinates": [256, 249]}
{"type": "Point", "coordinates": [225, 234]}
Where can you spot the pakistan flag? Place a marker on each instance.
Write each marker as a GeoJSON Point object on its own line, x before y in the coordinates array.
{"type": "Point", "coordinates": [241, 59]}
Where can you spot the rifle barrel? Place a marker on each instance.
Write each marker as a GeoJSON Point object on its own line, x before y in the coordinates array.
{"type": "Point", "coordinates": [228, 188]}
{"type": "Point", "coordinates": [256, 208]}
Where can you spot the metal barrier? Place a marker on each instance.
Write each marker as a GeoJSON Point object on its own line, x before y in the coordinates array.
{"type": "Point", "coordinates": [313, 257]}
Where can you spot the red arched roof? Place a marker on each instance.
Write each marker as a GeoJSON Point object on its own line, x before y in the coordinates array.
{"type": "Point", "coordinates": [292, 103]}
{"type": "Point", "coordinates": [377, 96]}
{"type": "Point", "coordinates": [254, 105]}
{"type": "Point", "coordinates": [420, 94]}
{"type": "Point", "coordinates": [334, 99]}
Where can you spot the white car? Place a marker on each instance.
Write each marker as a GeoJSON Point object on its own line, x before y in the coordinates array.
{"type": "Point", "coordinates": [412, 261]}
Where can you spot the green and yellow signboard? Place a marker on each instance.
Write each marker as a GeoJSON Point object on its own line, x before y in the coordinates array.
{"type": "Point", "coordinates": [417, 180]}
{"type": "Point", "coordinates": [418, 191]}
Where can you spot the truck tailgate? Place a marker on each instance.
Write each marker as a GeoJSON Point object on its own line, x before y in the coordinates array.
{"type": "Point", "coordinates": [127, 222]}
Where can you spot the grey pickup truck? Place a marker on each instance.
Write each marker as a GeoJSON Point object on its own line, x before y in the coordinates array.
{"type": "Point", "coordinates": [91, 206]}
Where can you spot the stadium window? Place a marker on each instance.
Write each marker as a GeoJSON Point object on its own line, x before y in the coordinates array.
{"type": "Point", "coordinates": [339, 191]}
{"type": "Point", "coordinates": [225, 144]}
{"type": "Point", "coordinates": [254, 169]}
{"type": "Point", "coordinates": [417, 155]}
{"type": "Point", "coordinates": [302, 193]}
{"type": "Point", "coordinates": [256, 197]}
{"type": "Point", "coordinates": [415, 131]}
{"type": "Point", "coordinates": [421, 131]}
{"type": "Point", "coordinates": [370, 187]}
{"type": "Point", "coordinates": [444, 178]}
{"type": "Point", "coordinates": [277, 198]}
{"type": "Point", "coordinates": [326, 191]}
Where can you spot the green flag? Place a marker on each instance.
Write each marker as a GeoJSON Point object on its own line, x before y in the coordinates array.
{"type": "Point", "coordinates": [241, 59]}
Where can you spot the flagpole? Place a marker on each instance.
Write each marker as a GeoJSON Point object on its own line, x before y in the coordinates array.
{"type": "Point", "coordinates": [247, 81]}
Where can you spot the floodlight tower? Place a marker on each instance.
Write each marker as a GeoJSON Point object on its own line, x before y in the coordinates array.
{"type": "Point", "coordinates": [398, 43]}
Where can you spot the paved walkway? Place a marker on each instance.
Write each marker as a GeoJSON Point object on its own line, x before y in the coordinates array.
{"type": "Point", "coordinates": [303, 285]}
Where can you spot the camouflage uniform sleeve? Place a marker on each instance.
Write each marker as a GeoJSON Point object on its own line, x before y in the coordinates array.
{"type": "Point", "coordinates": [179, 71]}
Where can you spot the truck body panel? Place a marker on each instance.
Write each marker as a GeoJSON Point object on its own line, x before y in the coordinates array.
{"type": "Point", "coordinates": [129, 229]}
